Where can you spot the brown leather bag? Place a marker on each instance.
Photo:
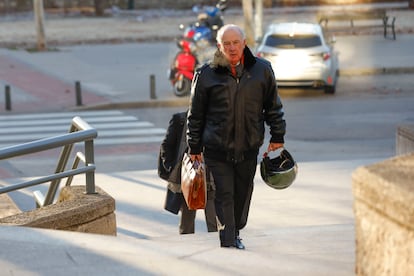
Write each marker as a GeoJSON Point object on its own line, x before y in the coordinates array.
{"type": "Point", "coordinates": [193, 183]}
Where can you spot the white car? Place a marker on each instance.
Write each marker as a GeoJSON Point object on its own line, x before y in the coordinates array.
{"type": "Point", "coordinates": [300, 55]}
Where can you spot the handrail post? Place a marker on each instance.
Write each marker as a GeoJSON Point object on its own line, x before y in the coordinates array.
{"type": "Point", "coordinates": [90, 176]}
{"type": "Point", "coordinates": [63, 160]}
{"type": "Point", "coordinates": [79, 157]}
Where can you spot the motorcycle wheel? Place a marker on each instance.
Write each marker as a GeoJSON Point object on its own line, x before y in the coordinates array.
{"type": "Point", "coordinates": [182, 87]}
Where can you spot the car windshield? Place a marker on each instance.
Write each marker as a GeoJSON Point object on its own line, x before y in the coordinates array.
{"type": "Point", "coordinates": [290, 42]}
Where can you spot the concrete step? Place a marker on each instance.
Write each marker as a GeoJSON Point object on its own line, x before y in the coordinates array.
{"type": "Point", "coordinates": [318, 250]}
{"type": "Point", "coordinates": [307, 229]}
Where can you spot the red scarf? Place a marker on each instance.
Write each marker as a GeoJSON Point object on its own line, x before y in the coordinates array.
{"type": "Point", "coordinates": [233, 68]}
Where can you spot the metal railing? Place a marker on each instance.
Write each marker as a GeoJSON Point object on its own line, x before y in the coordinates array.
{"type": "Point", "coordinates": [79, 131]}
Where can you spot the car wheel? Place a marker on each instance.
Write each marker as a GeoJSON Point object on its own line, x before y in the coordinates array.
{"type": "Point", "coordinates": [330, 89]}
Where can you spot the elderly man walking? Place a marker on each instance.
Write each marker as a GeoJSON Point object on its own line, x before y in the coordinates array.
{"type": "Point", "coordinates": [231, 99]}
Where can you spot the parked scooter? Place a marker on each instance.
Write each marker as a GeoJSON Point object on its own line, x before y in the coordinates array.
{"type": "Point", "coordinates": [182, 69]}
{"type": "Point", "coordinates": [209, 20]}
{"type": "Point", "coordinates": [197, 44]}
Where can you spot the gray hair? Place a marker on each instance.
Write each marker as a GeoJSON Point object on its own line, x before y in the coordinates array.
{"type": "Point", "coordinates": [227, 27]}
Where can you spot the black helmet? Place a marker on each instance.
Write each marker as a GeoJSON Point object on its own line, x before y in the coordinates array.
{"type": "Point", "coordinates": [280, 172]}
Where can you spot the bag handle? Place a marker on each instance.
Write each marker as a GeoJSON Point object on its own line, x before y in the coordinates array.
{"type": "Point", "coordinates": [183, 143]}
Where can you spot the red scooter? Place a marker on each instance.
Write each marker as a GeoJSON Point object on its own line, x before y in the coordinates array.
{"type": "Point", "coordinates": [182, 69]}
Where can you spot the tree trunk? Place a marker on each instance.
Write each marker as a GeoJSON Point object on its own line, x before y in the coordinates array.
{"type": "Point", "coordinates": [258, 19]}
{"type": "Point", "coordinates": [267, 3]}
{"type": "Point", "coordinates": [248, 21]}
{"type": "Point", "coordinates": [40, 30]}
{"type": "Point", "coordinates": [21, 5]}
{"type": "Point", "coordinates": [99, 11]}
{"type": "Point", "coordinates": [131, 4]}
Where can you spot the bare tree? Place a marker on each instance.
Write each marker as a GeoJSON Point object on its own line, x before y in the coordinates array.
{"type": "Point", "coordinates": [248, 21]}
{"type": "Point", "coordinates": [39, 20]}
{"type": "Point", "coordinates": [21, 5]}
{"type": "Point", "coordinates": [253, 29]}
{"type": "Point", "coordinates": [258, 19]}
{"type": "Point", "coordinates": [99, 10]}
{"type": "Point", "coordinates": [267, 3]}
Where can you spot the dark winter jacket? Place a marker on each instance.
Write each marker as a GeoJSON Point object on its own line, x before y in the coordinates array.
{"type": "Point", "coordinates": [170, 152]}
{"type": "Point", "coordinates": [227, 113]}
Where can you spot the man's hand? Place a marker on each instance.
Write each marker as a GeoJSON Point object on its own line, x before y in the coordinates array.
{"type": "Point", "coordinates": [195, 157]}
{"type": "Point", "coordinates": [274, 146]}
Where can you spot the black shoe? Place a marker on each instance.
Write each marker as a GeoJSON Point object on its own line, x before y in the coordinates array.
{"type": "Point", "coordinates": [238, 244]}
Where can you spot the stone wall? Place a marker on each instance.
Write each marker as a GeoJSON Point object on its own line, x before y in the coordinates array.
{"type": "Point", "coordinates": [74, 211]}
{"type": "Point", "coordinates": [384, 217]}
{"type": "Point", "coordinates": [405, 139]}
{"type": "Point", "coordinates": [7, 206]}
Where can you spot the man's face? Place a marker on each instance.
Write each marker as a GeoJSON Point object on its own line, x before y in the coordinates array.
{"type": "Point", "coordinates": [232, 46]}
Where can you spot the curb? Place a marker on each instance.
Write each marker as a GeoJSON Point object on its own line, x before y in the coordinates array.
{"type": "Point", "coordinates": [376, 71]}
{"type": "Point", "coordinates": [179, 102]}
{"type": "Point", "coordinates": [184, 102]}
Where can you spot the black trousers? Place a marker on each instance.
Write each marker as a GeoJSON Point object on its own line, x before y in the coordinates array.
{"type": "Point", "coordinates": [234, 188]}
{"type": "Point", "coordinates": [187, 221]}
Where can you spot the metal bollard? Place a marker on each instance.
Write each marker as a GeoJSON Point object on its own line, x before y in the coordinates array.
{"type": "Point", "coordinates": [78, 93]}
{"type": "Point", "coordinates": [153, 96]}
{"type": "Point", "coordinates": [8, 97]}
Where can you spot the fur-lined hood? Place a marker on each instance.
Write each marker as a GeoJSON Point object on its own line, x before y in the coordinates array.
{"type": "Point", "coordinates": [220, 63]}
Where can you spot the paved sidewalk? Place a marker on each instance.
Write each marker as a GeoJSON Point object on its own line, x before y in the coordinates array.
{"type": "Point", "coordinates": [307, 229]}
{"type": "Point", "coordinates": [35, 91]}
